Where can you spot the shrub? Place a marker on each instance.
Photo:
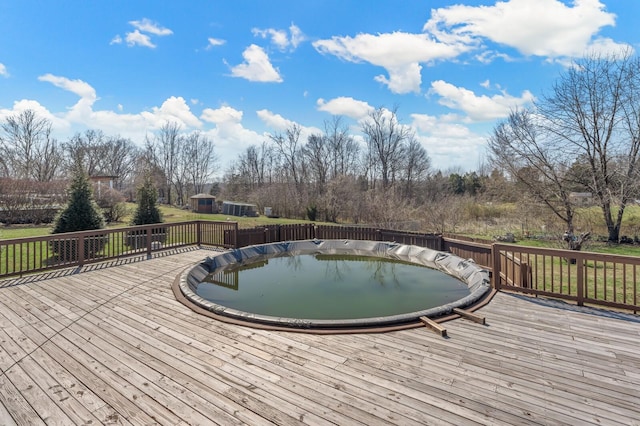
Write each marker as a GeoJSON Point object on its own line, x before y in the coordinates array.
{"type": "Point", "coordinates": [312, 213]}
{"type": "Point", "coordinates": [81, 213]}
{"type": "Point", "coordinates": [147, 212]}
{"type": "Point", "coordinates": [112, 204]}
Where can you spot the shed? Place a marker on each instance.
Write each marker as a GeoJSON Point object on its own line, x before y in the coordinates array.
{"type": "Point", "coordinates": [203, 203]}
{"type": "Point", "coordinates": [102, 181]}
{"type": "Point", "coordinates": [234, 208]}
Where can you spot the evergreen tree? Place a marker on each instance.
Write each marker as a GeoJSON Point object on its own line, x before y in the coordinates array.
{"type": "Point", "coordinates": [81, 212]}
{"type": "Point", "coordinates": [147, 211]}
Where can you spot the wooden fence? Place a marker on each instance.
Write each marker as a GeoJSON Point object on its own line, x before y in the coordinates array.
{"type": "Point", "coordinates": [583, 277]}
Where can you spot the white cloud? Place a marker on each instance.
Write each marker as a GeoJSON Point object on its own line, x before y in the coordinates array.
{"type": "Point", "coordinates": [297, 36]}
{"type": "Point", "coordinates": [148, 26]}
{"type": "Point", "coordinates": [136, 38]}
{"type": "Point", "coordinates": [281, 124]}
{"type": "Point", "coordinates": [478, 108]}
{"type": "Point", "coordinates": [450, 145]}
{"type": "Point", "coordinates": [548, 28]}
{"type": "Point", "coordinates": [275, 121]}
{"type": "Point", "coordinates": [402, 79]}
{"type": "Point", "coordinates": [221, 115]}
{"type": "Point", "coordinates": [399, 53]}
{"type": "Point", "coordinates": [79, 87]}
{"type": "Point", "coordinates": [346, 106]}
{"type": "Point", "coordinates": [280, 38]}
{"type": "Point", "coordinates": [214, 42]}
{"type": "Point", "coordinates": [3, 71]}
{"type": "Point", "coordinates": [57, 123]}
{"type": "Point", "coordinates": [175, 109]}
{"type": "Point", "coordinates": [256, 66]}
{"type": "Point", "coordinates": [229, 135]}
{"type": "Point", "coordinates": [141, 35]}
{"type": "Point", "coordinates": [129, 125]}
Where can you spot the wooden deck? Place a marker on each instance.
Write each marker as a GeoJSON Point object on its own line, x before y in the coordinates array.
{"type": "Point", "coordinates": [111, 345]}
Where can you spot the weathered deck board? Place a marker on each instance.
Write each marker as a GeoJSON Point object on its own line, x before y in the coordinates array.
{"type": "Point", "coordinates": [111, 345]}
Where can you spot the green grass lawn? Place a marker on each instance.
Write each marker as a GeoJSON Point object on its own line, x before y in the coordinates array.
{"type": "Point", "coordinates": [173, 214]}
{"type": "Point", "coordinates": [170, 214]}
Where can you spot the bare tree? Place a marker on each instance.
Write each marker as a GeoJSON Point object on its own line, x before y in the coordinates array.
{"type": "Point", "coordinates": [343, 150]}
{"type": "Point", "coordinates": [164, 149]}
{"type": "Point", "coordinates": [289, 149]}
{"type": "Point", "coordinates": [522, 147]}
{"type": "Point", "coordinates": [385, 138]}
{"type": "Point", "coordinates": [119, 156]}
{"type": "Point", "coordinates": [317, 160]}
{"type": "Point", "coordinates": [288, 146]}
{"type": "Point", "coordinates": [416, 166]}
{"type": "Point", "coordinates": [29, 150]}
{"type": "Point", "coordinates": [594, 111]}
{"type": "Point", "coordinates": [198, 159]}
{"type": "Point", "coordinates": [86, 149]}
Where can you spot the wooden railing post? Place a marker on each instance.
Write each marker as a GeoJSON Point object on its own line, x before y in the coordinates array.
{"type": "Point", "coordinates": [495, 256]}
{"type": "Point", "coordinates": [198, 233]}
{"type": "Point", "coordinates": [80, 250]}
{"type": "Point", "coordinates": [235, 235]}
{"type": "Point", "coordinates": [580, 281]}
{"type": "Point", "coordinates": [148, 234]}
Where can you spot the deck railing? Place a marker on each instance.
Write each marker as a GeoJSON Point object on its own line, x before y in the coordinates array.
{"type": "Point", "coordinates": [37, 254]}
{"type": "Point", "coordinates": [583, 277]}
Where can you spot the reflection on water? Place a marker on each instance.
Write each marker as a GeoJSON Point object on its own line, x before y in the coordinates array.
{"type": "Point", "coordinates": [326, 286]}
{"type": "Point", "coordinates": [229, 277]}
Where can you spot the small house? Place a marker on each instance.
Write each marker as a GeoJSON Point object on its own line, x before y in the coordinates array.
{"type": "Point", "coordinates": [239, 209]}
{"type": "Point", "coordinates": [581, 198]}
{"type": "Point", "coordinates": [101, 182]}
{"type": "Point", "coordinates": [203, 203]}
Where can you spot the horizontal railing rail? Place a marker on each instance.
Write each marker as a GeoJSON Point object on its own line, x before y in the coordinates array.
{"type": "Point", "coordinates": [54, 251]}
{"type": "Point", "coordinates": [583, 277]}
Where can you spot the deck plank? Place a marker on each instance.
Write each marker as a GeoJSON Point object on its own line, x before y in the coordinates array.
{"type": "Point", "coordinates": [111, 345]}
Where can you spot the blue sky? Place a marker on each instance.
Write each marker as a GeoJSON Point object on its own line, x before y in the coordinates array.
{"type": "Point", "coordinates": [239, 70]}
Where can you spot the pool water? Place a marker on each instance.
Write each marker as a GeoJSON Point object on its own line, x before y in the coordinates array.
{"type": "Point", "coordinates": [323, 286]}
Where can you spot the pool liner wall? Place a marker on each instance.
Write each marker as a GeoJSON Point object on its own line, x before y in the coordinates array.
{"type": "Point", "coordinates": [476, 278]}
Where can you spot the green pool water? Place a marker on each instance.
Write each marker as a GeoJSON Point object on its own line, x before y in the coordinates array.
{"type": "Point", "coordinates": [330, 287]}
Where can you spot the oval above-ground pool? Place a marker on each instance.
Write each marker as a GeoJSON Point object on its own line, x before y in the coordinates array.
{"type": "Point", "coordinates": [331, 284]}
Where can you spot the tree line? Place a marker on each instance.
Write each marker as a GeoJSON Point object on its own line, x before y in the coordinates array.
{"type": "Point", "coordinates": [35, 167]}
{"type": "Point", "coordinates": [333, 176]}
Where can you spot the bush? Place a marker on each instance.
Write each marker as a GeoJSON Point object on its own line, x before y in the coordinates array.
{"type": "Point", "coordinates": [147, 212]}
{"type": "Point", "coordinates": [81, 213]}
{"type": "Point", "coordinates": [112, 203]}
{"type": "Point", "coordinates": [312, 213]}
